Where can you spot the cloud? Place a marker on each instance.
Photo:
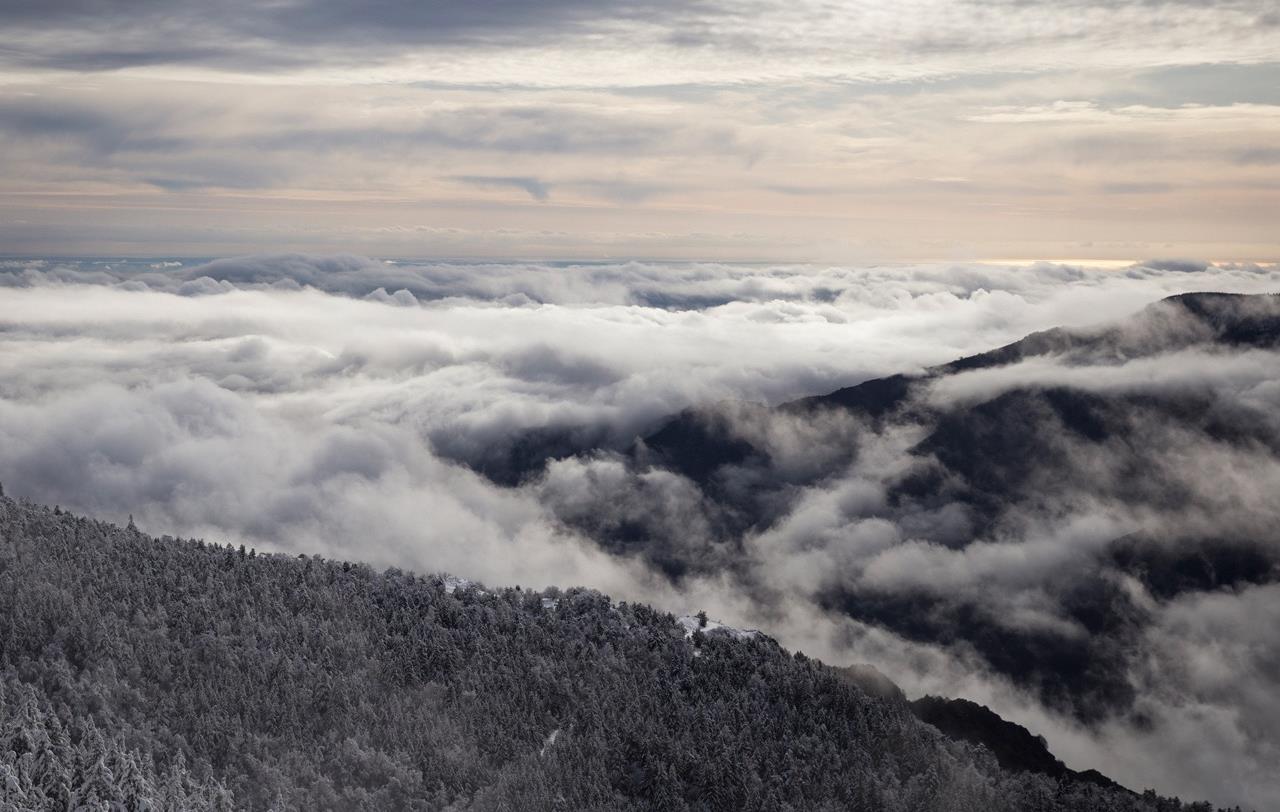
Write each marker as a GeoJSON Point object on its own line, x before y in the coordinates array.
{"type": "Point", "coordinates": [1136, 188]}
{"type": "Point", "coordinates": [1245, 374]}
{"type": "Point", "coordinates": [514, 129]}
{"type": "Point", "coordinates": [765, 142]}
{"type": "Point", "coordinates": [536, 189]}
{"type": "Point", "coordinates": [342, 405]}
{"type": "Point", "coordinates": [99, 130]}
{"type": "Point", "coordinates": [1181, 265]}
{"type": "Point", "coordinates": [251, 36]}
{"type": "Point", "coordinates": [248, 36]}
{"type": "Point", "coordinates": [1258, 156]}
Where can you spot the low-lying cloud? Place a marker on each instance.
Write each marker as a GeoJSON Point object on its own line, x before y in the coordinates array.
{"type": "Point", "coordinates": [342, 405]}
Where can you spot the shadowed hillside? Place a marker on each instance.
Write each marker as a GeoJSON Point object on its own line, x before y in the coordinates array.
{"type": "Point", "coordinates": [1117, 423]}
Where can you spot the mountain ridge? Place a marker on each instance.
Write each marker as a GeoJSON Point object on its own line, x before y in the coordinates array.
{"type": "Point", "coordinates": [984, 468]}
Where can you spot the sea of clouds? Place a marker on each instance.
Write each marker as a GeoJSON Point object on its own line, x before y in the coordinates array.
{"type": "Point", "coordinates": [337, 405]}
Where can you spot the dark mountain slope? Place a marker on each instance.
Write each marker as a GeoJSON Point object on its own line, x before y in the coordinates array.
{"type": "Point", "coordinates": [1176, 323]}
{"type": "Point", "coordinates": [874, 398]}
{"type": "Point", "coordinates": [1000, 449]}
{"type": "Point", "coordinates": [1003, 463]}
{"type": "Point", "coordinates": [1014, 747]}
{"type": "Point", "coordinates": [697, 442]}
{"type": "Point", "coordinates": [308, 684]}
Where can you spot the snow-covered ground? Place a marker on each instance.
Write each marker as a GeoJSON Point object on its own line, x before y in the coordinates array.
{"type": "Point", "coordinates": [691, 624]}
{"type": "Point", "coordinates": [453, 583]}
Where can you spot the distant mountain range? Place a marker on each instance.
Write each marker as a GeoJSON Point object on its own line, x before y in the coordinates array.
{"type": "Point", "coordinates": [1110, 419]}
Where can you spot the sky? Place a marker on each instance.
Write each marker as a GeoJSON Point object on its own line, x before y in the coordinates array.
{"type": "Point", "coordinates": [713, 129]}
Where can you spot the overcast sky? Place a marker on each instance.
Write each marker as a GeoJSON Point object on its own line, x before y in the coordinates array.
{"type": "Point", "coordinates": [710, 129]}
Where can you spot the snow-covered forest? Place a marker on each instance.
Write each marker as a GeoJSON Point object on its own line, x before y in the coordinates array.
{"type": "Point", "coordinates": [142, 673]}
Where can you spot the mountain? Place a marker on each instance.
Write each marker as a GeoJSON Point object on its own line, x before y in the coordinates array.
{"type": "Point", "coordinates": [1152, 430]}
{"type": "Point", "coordinates": [163, 673]}
{"type": "Point", "coordinates": [1172, 324]}
{"type": "Point", "coordinates": [697, 442]}
{"type": "Point", "coordinates": [1014, 747]}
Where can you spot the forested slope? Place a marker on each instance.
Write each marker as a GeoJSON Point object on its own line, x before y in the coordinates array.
{"type": "Point", "coordinates": [144, 673]}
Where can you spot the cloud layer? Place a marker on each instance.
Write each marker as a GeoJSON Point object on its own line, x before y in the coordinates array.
{"type": "Point", "coordinates": [339, 405]}
{"type": "Point", "coordinates": [789, 38]}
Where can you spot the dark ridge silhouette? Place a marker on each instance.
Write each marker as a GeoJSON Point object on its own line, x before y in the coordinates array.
{"type": "Point", "coordinates": [697, 443]}
{"type": "Point", "coordinates": [874, 398]}
{"type": "Point", "coordinates": [991, 461]}
{"type": "Point", "coordinates": [1014, 747]}
{"type": "Point", "coordinates": [510, 464]}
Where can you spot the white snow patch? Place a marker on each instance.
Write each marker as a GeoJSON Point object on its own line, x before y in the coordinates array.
{"type": "Point", "coordinates": [550, 740]}
{"type": "Point", "coordinates": [691, 624]}
{"type": "Point", "coordinates": [453, 583]}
